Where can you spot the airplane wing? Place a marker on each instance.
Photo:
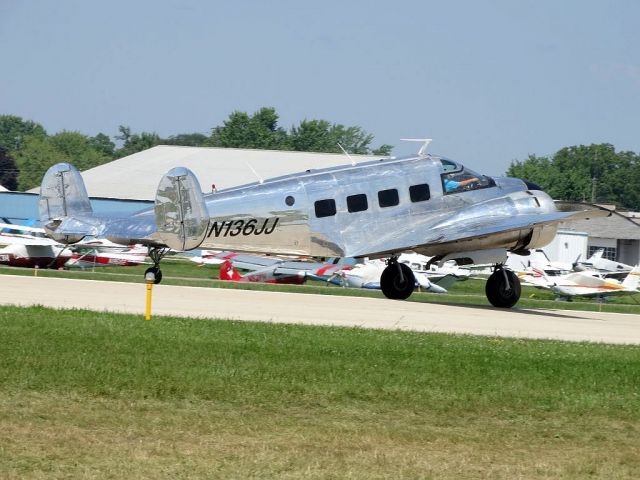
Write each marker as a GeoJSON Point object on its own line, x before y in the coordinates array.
{"type": "Point", "coordinates": [12, 227]}
{"type": "Point", "coordinates": [27, 240]}
{"type": "Point", "coordinates": [461, 227]}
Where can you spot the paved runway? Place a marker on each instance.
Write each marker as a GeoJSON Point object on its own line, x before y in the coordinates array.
{"type": "Point", "coordinates": [320, 310]}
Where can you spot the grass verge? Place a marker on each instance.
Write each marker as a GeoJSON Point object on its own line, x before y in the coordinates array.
{"type": "Point", "coordinates": [87, 394]}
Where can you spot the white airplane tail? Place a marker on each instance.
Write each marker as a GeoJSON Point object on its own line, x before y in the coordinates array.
{"type": "Point", "coordinates": [632, 280]}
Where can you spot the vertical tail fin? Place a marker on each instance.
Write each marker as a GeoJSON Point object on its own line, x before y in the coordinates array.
{"type": "Point", "coordinates": [62, 194]}
{"type": "Point", "coordinates": [180, 210]}
{"type": "Point", "coordinates": [228, 272]}
{"type": "Point", "coordinates": [632, 280]}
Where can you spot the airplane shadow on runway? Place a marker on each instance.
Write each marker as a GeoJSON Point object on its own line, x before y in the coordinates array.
{"type": "Point", "coordinates": [515, 310]}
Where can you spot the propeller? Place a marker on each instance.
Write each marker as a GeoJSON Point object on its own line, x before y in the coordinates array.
{"type": "Point", "coordinates": [576, 263]}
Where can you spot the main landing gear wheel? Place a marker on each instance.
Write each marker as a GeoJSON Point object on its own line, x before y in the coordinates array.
{"type": "Point", "coordinates": [397, 281]}
{"type": "Point", "coordinates": [503, 288]}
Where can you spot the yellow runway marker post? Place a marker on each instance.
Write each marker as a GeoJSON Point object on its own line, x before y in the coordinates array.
{"type": "Point", "coordinates": [150, 279]}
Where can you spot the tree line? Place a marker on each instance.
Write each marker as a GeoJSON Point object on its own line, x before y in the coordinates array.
{"type": "Point", "coordinates": [592, 173]}
{"type": "Point", "coordinates": [27, 151]}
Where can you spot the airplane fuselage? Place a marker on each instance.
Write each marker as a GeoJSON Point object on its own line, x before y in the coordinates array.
{"type": "Point", "coordinates": [360, 210]}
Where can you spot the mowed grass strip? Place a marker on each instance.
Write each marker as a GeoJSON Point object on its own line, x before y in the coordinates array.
{"type": "Point", "coordinates": [96, 395]}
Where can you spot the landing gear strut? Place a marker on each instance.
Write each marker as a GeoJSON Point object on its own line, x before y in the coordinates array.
{"type": "Point", "coordinates": [397, 281]}
{"type": "Point", "coordinates": [156, 254]}
{"type": "Point", "coordinates": [503, 288]}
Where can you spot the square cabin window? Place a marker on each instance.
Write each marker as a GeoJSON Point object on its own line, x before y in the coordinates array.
{"type": "Point", "coordinates": [357, 203]}
{"type": "Point", "coordinates": [419, 193]}
{"type": "Point", "coordinates": [388, 198]}
{"type": "Point", "coordinates": [325, 208]}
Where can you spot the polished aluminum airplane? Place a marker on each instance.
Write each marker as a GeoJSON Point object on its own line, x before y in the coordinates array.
{"type": "Point", "coordinates": [422, 203]}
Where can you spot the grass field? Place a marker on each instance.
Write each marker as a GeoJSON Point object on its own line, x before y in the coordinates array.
{"type": "Point", "coordinates": [94, 395]}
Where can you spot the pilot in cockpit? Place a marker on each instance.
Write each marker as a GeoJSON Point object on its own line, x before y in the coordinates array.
{"type": "Point", "coordinates": [451, 184]}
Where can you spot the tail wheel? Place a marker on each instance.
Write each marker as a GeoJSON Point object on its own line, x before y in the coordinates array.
{"type": "Point", "coordinates": [397, 281]}
{"type": "Point", "coordinates": [503, 288]}
{"type": "Point", "coordinates": [157, 273]}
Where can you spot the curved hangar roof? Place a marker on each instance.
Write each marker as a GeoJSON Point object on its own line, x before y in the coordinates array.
{"type": "Point", "coordinates": [137, 176]}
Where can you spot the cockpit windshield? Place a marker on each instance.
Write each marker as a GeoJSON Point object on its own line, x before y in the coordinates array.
{"type": "Point", "coordinates": [457, 178]}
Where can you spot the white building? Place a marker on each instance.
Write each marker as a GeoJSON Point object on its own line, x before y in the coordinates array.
{"type": "Point", "coordinates": [618, 234]}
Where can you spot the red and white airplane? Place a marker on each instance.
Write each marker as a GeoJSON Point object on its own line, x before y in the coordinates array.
{"type": "Point", "coordinates": [275, 270]}
{"type": "Point", "coordinates": [339, 272]}
{"type": "Point", "coordinates": [23, 246]}
{"type": "Point", "coordinates": [103, 253]}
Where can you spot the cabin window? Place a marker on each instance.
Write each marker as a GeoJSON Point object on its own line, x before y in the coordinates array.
{"type": "Point", "coordinates": [357, 203]}
{"type": "Point", "coordinates": [388, 198]}
{"type": "Point", "coordinates": [289, 200]}
{"type": "Point", "coordinates": [419, 193]}
{"type": "Point", "coordinates": [325, 208]}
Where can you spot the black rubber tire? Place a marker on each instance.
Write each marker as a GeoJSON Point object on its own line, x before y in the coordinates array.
{"type": "Point", "coordinates": [156, 272]}
{"type": "Point", "coordinates": [497, 292]}
{"type": "Point", "coordinates": [391, 285]}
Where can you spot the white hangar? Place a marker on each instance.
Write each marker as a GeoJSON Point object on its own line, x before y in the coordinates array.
{"type": "Point", "coordinates": [137, 176]}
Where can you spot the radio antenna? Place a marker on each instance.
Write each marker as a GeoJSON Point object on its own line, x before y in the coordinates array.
{"type": "Point", "coordinates": [425, 143]}
{"type": "Point", "coordinates": [353, 162]}
{"type": "Point", "coordinates": [260, 179]}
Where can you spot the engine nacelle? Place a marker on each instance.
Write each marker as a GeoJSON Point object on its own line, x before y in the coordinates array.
{"type": "Point", "coordinates": [542, 235]}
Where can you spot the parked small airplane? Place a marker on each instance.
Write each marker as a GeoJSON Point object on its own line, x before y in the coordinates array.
{"type": "Point", "coordinates": [102, 253]}
{"type": "Point", "coordinates": [596, 263]}
{"type": "Point", "coordinates": [584, 284]}
{"type": "Point", "coordinates": [284, 272]}
{"type": "Point", "coordinates": [537, 259]}
{"type": "Point", "coordinates": [368, 275]}
{"type": "Point", "coordinates": [25, 246]}
{"type": "Point", "coordinates": [423, 203]}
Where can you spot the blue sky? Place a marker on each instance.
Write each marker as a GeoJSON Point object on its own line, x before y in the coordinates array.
{"type": "Point", "coordinates": [489, 81]}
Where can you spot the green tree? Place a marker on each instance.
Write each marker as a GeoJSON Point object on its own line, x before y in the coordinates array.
{"type": "Point", "coordinates": [186, 139]}
{"type": "Point", "coordinates": [136, 142]}
{"type": "Point", "coordinates": [102, 144]}
{"type": "Point", "coordinates": [39, 153]}
{"type": "Point", "coordinates": [34, 158]}
{"type": "Point", "coordinates": [13, 131]}
{"type": "Point", "coordinates": [259, 130]}
{"type": "Point", "coordinates": [8, 171]}
{"type": "Point", "coordinates": [383, 150]}
{"type": "Point", "coordinates": [585, 173]}
{"type": "Point", "coordinates": [79, 149]}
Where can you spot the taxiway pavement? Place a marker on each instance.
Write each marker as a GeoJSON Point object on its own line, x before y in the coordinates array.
{"type": "Point", "coordinates": [198, 302]}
